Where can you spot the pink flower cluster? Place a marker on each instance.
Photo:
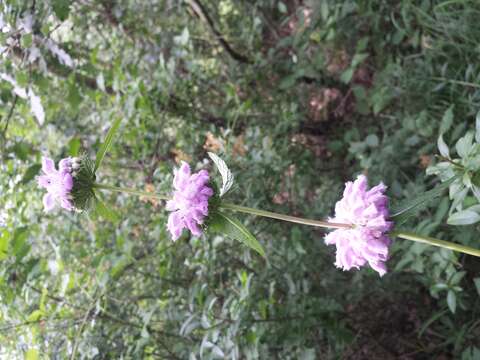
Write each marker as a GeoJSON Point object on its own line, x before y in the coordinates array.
{"type": "Point", "coordinates": [189, 204]}
{"type": "Point", "coordinates": [59, 183]}
{"type": "Point", "coordinates": [366, 241]}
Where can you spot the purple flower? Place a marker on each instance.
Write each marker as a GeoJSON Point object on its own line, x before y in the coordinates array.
{"type": "Point", "coordinates": [190, 201]}
{"type": "Point", "coordinates": [59, 183]}
{"type": "Point", "coordinates": [367, 241]}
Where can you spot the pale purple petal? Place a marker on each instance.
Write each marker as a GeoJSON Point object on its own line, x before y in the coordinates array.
{"type": "Point", "coordinates": [48, 166]}
{"type": "Point", "coordinates": [58, 184]}
{"type": "Point", "coordinates": [367, 241]}
{"type": "Point", "coordinates": [48, 202]}
{"type": "Point", "coordinates": [175, 225]}
{"type": "Point", "coordinates": [43, 181]}
{"type": "Point", "coordinates": [67, 182]}
{"type": "Point", "coordinates": [189, 204]}
{"type": "Point", "coordinates": [66, 204]}
{"type": "Point", "coordinates": [65, 164]}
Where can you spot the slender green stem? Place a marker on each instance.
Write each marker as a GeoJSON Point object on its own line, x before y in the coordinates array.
{"type": "Point", "coordinates": [294, 219]}
{"type": "Point", "coordinates": [436, 242]}
{"type": "Point", "coordinates": [131, 191]}
{"type": "Point", "coordinates": [451, 162]}
{"type": "Point", "coordinates": [318, 223]}
{"type": "Point", "coordinates": [458, 82]}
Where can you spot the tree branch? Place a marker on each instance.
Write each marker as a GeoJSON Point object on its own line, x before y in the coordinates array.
{"type": "Point", "coordinates": [200, 10]}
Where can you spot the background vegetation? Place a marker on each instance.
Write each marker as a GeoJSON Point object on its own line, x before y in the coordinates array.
{"type": "Point", "coordinates": [297, 97]}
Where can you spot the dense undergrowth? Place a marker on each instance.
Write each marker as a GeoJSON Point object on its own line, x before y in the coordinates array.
{"type": "Point", "coordinates": [298, 97]}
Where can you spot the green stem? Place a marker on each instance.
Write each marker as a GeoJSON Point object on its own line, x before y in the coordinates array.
{"type": "Point", "coordinates": [318, 223]}
{"type": "Point", "coordinates": [131, 191]}
{"type": "Point", "coordinates": [294, 219]}
{"type": "Point", "coordinates": [436, 242]}
{"type": "Point", "coordinates": [458, 82]}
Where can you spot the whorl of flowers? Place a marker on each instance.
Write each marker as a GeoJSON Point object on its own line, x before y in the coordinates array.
{"type": "Point", "coordinates": [58, 183]}
{"type": "Point", "coordinates": [189, 204]}
{"type": "Point", "coordinates": [366, 241]}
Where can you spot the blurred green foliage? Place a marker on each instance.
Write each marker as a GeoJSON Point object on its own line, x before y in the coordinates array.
{"type": "Point", "coordinates": [297, 97]}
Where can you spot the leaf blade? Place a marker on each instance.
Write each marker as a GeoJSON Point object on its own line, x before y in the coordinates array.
{"type": "Point", "coordinates": [222, 223]}
{"type": "Point", "coordinates": [442, 147]}
{"type": "Point", "coordinates": [404, 209]}
{"type": "Point", "coordinates": [105, 147]}
{"type": "Point", "coordinates": [464, 217]}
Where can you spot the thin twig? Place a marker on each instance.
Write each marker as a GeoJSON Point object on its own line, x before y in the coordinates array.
{"type": "Point", "coordinates": [9, 116]}
{"type": "Point", "coordinates": [202, 13]}
{"type": "Point", "coordinates": [82, 327]}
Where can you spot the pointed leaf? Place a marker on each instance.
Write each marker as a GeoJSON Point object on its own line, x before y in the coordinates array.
{"type": "Point", "coordinates": [442, 147]}
{"type": "Point", "coordinates": [447, 120]}
{"type": "Point", "coordinates": [227, 176]}
{"type": "Point", "coordinates": [225, 224]}
{"type": "Point", "coordinates": [452, 301]}
{"type": "Point", "coordinates": [464, 145]}
{"type": "Point", "coordinates": [105, 147]}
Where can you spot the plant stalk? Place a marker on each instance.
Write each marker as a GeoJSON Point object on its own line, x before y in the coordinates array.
{"type": "Point", "coordinates": [298, 220]}
{"type": "Point", "coordinates": [131, 191]}
{"type": "Point", "coordinates": [436, 242]}
{"type": "Point", "coordinates": [294, 219]}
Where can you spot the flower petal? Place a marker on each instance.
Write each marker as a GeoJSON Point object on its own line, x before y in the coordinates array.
{"type": "Point", "coordinates": [48, 202]}
{"type": "Point", "coordinates": [367, 241]}
{"type": "Point", "coordinates": [48, 166]}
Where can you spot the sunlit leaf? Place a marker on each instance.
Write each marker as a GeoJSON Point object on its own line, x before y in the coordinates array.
{"type": "Point", "coordinates": [464, 217]}
{"type": "Point", "coordinates": [32, 354]}
{"type": "Point", "coordinates": [442, 147]}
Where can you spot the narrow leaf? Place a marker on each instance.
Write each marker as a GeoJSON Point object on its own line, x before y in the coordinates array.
{"type": "Point", "coordinates": [403, 210]}
{"type": "Point", "coordinates": [105, 147]}
{"type": "Point", "coordinates": [477, 128]}
{"type": "Point", "coordinates": [227, 176]}
{"type": "Point", "coordinates": [225, 224]}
